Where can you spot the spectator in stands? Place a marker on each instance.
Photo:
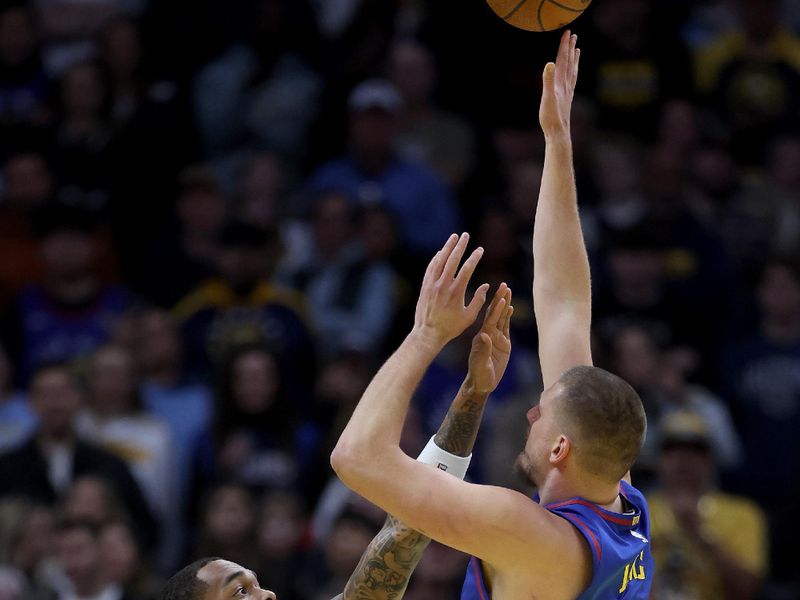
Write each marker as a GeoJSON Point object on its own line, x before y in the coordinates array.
{"type": "Point", "coordinates": [167, 392]}
{"type": "Point", "coordinates": [439, 575]}
{"type": "Point", "coordinates": [281, 531]}
{"type": "Point", "coordinates": [23, 82]}
{"type": "Point", "coordinates": [182, 253]}
{"type": "Point", "coordinates": [761, 379]}
{"type": "Point", "coordinates": [329, 566]}
{"type": "Point", "coordinates": [241, 305]}
{"type": "Point", "coordinates": [708, 544]}
{"type": "Point", "coordinates": [261, 93]}
{"type": "Point", "coordinates": [45, 466]}
{"type": "Point", "coordinates": [227, 525]}
{"type": "Point", "coordinates": [123, 563]}
{"type": "Point", "coordinates": [115, 419]}
{"type": "Point", "coordinates": [27, 187]}
{"type": "Point", "coordinates": [81, 138]}
{"type": "Point", "coordinates": [17, 419]}
{"type": "Point", "coordinates": [255, 438]}
{"type": "Point", "coordinates": [91, 499]}
{"type": "Point", "coordinates": [78, 552]}
{"type": "Point", "coordinates": [426, 133]}
{"type": "Point", "coordinates": [635, 65]}
{"type": "Point", "coordinates": [351, 298]}
{"type": "Point", "coordinates": [751, 77]}
{"type": "Point", "coordinates": [373, 174]}
{"type": "Point", "coordinates": [25, 534]}
{"type": "Point", "coordinates": [72, 310]}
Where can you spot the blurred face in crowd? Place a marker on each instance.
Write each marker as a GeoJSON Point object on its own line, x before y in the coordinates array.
{"type": "Point", "coordinates": [346, 544]}
{"type": "Point", "coordinates": [637, 275]}
{"type": "Point", "coordinates": [55, 398]}
{"type": "Point", "coordinates": [79, 556]}
{"type": "Point", "coordinates": [157, 343]}
{"type": "Point", "coordinates": [112, 381]}
{"type": "Point", "coordinates": [616, 170]}
{"type": "Point", "coordinates": [226, 580]}
{"type": "Point", "coordinates": [255, 381]}
{"type": "Point", "coordinates": [230, 516]}
{"type": "Point", "coordinates": [122, 47]}
{"type": "Point", "coordinates": [372, 134]}
{"type": "Point", "coordinates": [83, 91]}
{"type": "Point", "coordinates": [636, 357]}
{"type": "Point", "coordinates": [119, 553]}
{"type": "Point", "coordinates": [88, 499]}
{"type": "Point", "coordinates": [28, 181]}
{"type": "Point", "coordinates": [378, 234]}
{"type": "Point", "coordinates": [281, 527]}
{"type": "Point", "coordinates": [779, 293]}
{"type": "Point", "coordinates": [35, 541]}
{"type": "Point", "coordinates": [524, 180]}
{"type": "Point", "coordinates": [685, 466]}
{"type": "Point", "coordinates": [413, 72]}
{"type": "Point", "coordinates": [262, 186]}
{"type": "Point", "coordinates": [714, 171]}
{"type": "Point", "coordinates": [244, 266]}
{"type": "Point", "coordinates": [333, 224]}
{"type": "Point", "coordinates": [201, 210]}
{"type": "Point", "coordinates": [17, 37]}
{"type": "Point", "coordinates": [623, 21]}
{"type": "Point", "coordinates": [498, 238]}
{"type": "Point", "coordinates": [68, 255]}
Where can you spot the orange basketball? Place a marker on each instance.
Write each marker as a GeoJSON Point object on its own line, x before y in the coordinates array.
{"type": "Point", "coordinates": [539, 15]}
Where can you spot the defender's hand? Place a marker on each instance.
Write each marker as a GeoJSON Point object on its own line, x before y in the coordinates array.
{"type": "Point", "coordinates": [491, 347]}
{"type": "Point", "coordinates": [558, 88]}
{"type": "Point", "coordinates": [441, 314]}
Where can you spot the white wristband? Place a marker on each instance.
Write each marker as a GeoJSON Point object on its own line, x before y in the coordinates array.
{"type": "Point", "coordinates": [441, 459]}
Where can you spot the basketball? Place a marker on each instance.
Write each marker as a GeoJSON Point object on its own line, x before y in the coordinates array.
{"type": "Point", "coordinates": [539, 15]}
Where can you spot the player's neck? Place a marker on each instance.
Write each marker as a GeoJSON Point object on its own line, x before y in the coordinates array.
{"type": "Point", "coordinates": [559, 488]}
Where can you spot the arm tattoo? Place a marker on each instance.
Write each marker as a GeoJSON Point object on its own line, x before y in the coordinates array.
{"type": "Point", "coordinates": [460, 427]}
{"type": "Point", "coordinates": [387, 563]}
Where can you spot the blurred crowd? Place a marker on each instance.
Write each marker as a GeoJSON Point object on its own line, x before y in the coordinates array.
{"type": "Point", "coordinates": [214, 217]}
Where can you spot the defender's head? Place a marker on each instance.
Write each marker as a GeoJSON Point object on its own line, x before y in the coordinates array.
{"type": "Point", "coordinates": [214, 579]}
{"type": "Point", "coordinates": [589, 422]}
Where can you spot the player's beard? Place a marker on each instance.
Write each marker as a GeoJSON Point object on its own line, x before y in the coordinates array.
{"type": "Point", "coordinates": [525, 469]}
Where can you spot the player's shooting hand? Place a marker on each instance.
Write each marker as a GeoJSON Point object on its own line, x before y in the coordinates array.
{"type": "Point", "coordinates": [491, 347]}
{"type": "Point", "coordinates": [558, 87]}
{"type": "Point", "coordinates": [441, 314]}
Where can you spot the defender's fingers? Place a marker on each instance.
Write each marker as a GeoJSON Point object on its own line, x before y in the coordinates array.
{"type": "Point", "coordinates": [503, 314]}
{"type": "Point", "coordinates": [495, 314]}
{"type": "Point", "coordinates": [454, 259]}
{"type": "Point", "coordinates": [465, 274]}
{"type": "Point", "coordinates": [562, 59]}
{"type": "Point", "coordinates": [507, 321]}
{"type": "Point", "coordinates": [575, 67]}
{"type": "Point", "coordinates": [500, 293]}
{"type": "Point", "coordinates": [428, 277]}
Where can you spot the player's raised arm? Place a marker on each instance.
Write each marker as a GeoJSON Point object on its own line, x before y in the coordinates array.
{"type": "Point", "coordinates": [561, 280]}
{"type": "Point", "coordinates": [388, 562]}
{"type": "Point", "coordinates": [498, 525]}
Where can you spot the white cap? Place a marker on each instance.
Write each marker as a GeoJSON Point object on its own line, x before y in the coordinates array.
{"type": "Point", "coordinates": [374, 93]}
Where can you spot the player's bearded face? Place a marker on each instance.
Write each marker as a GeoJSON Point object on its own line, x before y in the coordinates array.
{"type": "Point", "coordinates": [529, 464]}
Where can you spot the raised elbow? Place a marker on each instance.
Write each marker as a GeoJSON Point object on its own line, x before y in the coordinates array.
{"type": "Point", "coordinates": [343, 461]}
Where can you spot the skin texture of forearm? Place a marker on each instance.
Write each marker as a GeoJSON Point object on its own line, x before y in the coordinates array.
{"type": "Point", "coordinates": [386, 566]}
{"type": "Point", "coordinates": [561, 272]}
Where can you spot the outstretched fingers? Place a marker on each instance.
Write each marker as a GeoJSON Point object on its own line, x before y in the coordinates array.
{"type": "Point", "coordinates": [477, 302]}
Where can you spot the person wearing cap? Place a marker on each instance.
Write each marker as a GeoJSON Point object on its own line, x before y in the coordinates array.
{"type": "Point", "coordinates": [372, 173]}
{"type": "Point", "coordinates": [707, 544]}
{"type": "Point", "coordinates": [241, 305]}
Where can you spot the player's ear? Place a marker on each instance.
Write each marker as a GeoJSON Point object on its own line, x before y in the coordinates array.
{"type": "Point", "coordinates": [560, 450]}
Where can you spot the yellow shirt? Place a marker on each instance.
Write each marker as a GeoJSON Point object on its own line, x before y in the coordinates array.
{"type": "Point", "coordinates": [683, 567]}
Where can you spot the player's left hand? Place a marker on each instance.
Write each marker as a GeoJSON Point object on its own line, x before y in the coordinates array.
{"type": "Point", "coordinates": [441, 314]}
{"type": "Point", "coordinates": [491, 347]}
{"type": "Point", "coordinates": [558, 88]}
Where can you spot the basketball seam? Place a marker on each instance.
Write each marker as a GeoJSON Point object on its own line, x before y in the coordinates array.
{"type": "Point", "coordinates": [539, 15]}
{"type": "Point", "coordinates": [514, 10]}
{"type": "Point", "coordinates": [569, 8]}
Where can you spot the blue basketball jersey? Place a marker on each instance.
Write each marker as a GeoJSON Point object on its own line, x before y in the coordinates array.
{"type": "Point", "coordinates": [620, 545]}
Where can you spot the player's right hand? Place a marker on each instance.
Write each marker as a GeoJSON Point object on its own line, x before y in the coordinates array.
{"type": "Point", "coordinates": [441, 314]}
{"type": "Point", "coordinates": [558, 88]}
{"type": "Point", "coordinates": [491, 346]}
